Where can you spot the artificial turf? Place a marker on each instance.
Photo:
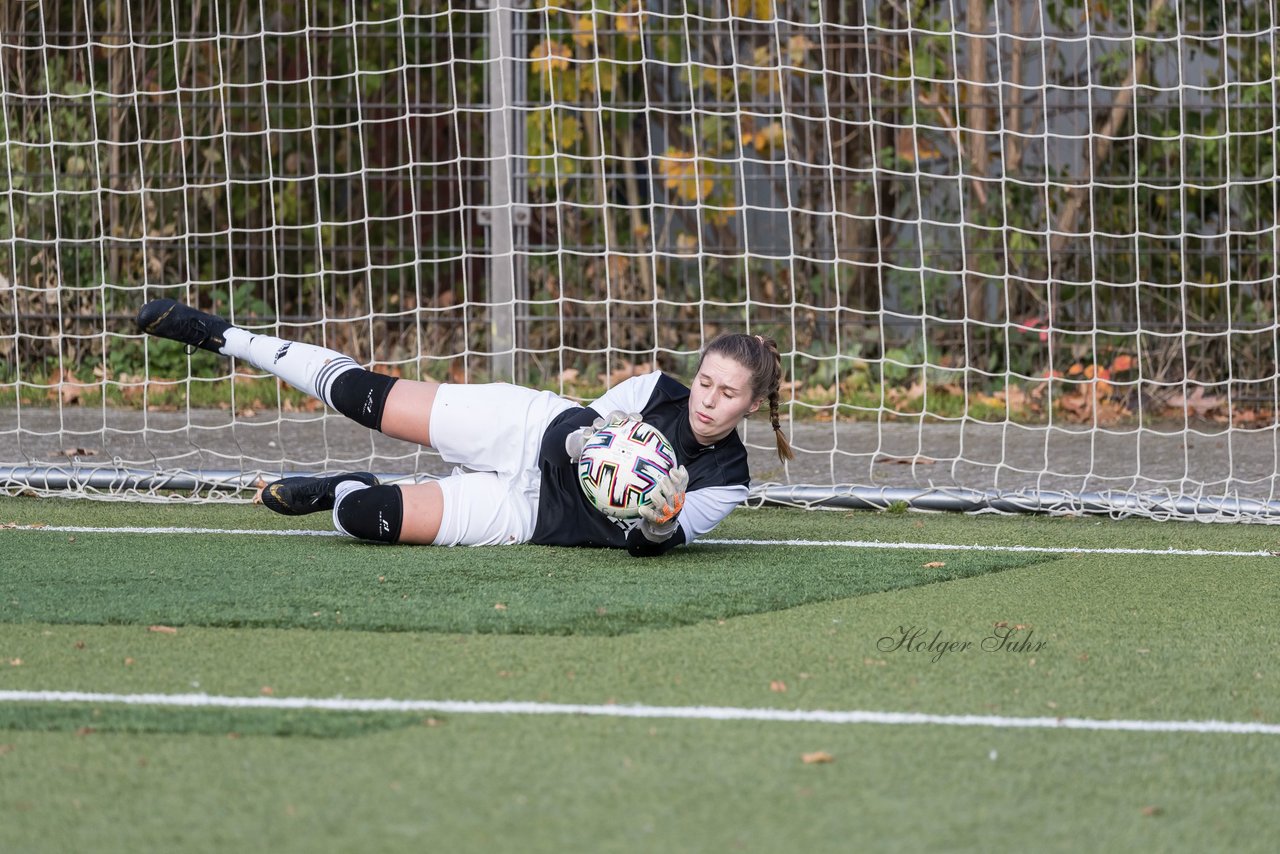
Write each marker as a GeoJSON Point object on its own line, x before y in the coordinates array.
{"type": "Point", "coordinates": [262, 581]}
{"type": "Point", "coordinates": [85, 719]}
{"type": "Point", "coordinates": [566, 784]}
{"type": "Point", "coordinates": [1137, 636]}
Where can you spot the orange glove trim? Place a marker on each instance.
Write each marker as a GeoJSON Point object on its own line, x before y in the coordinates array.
{"type": "Point", "coordinates": [668, 512]}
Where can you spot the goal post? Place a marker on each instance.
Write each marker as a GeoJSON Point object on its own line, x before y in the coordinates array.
{"type": "Point", "coordinates": [1017, 255]}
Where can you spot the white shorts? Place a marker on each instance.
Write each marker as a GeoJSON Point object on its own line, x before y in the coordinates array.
{"type": "Point", "coordinates": [494, 430]}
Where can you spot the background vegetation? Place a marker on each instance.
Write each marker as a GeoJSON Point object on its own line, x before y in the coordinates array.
{"type": "Point", "coordinates": [1000, 209]}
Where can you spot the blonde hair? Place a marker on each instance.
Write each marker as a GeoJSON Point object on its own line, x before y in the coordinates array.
{"type": "Point", "coordinates": [760, 356]}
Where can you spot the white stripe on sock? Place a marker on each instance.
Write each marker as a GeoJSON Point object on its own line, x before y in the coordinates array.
{"type": "Point", "coordinates": [306, 367]}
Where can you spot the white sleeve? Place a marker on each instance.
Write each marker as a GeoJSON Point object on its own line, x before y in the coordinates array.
{"type": "Point", "coordinates": [705, 508]}
{"type": "Point", "coordinates": [630, 395]}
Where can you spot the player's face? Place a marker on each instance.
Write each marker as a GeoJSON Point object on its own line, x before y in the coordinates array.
{"type": "Point", "coordinates": [719, 398]}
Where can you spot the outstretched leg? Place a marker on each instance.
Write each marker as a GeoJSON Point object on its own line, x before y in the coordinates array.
{"type": "Point", "coordinates": [362, 507]}
{"type": "Point", "coordinates": [398, 408]}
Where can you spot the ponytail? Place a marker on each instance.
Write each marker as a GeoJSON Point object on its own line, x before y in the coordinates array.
{"type": "Point", "coordinates": [775, 398]}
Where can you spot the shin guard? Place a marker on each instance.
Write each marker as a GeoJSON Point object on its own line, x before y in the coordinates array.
{"type": "Point", "coordinates": [370, 513]}
{"type": "Point", "coordinates": [361, 395]}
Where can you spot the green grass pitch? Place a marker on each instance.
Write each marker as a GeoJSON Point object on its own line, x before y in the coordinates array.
{"type": "Point", "coordinates": [1134, 637]}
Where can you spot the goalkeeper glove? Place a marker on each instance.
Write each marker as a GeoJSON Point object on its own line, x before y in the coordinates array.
{"type": "Point", "coordinates": [659, 515]}
{"type": "Point", "coordinates": [577, 440]}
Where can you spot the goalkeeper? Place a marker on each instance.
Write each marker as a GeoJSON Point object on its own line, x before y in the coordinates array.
{"type": "Point", "coordinates": [519, 447]}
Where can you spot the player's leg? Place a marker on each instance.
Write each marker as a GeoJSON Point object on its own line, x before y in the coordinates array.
{"type": "Point", "coordinates": [408, 514]}
{"type": "Point", "coordinates": [469, 509]}
{"type": "Point", "coordinates": [362, 507]}
{"type": "Point", "coordinates": [406, 413]}
{"type": "Point", "coordinates": [490, 427]}
{"type": "Point", "coordinates": [398, 408]}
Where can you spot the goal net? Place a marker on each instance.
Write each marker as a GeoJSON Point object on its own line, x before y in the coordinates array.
{"type": "Point", "coordinates": [1017, 255]}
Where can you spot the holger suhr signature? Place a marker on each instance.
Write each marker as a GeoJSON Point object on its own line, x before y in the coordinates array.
{"type": "Point", "coordinates": [937, 643]}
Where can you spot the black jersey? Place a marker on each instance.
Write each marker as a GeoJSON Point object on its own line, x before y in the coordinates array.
{"type": "Point", "coordinates": [718, 473]}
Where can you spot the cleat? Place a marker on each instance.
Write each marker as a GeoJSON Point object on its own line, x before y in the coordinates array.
{"type": "Point", "coordinates": [171, 319]}
{"type": "Point", "coordinates": [297, 496]}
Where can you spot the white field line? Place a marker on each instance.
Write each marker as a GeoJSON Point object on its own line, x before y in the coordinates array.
{"type": "Point", "coordinates": [702, 713]}
{"type": "Point", "coordinates": [850, 544]}
{"type": "Point", "coordinates": [80, 529]}
{"type": "Point", "coordinates": [976, 547]}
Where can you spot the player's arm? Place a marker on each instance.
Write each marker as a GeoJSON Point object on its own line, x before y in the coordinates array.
{"type": "Point", "coordinates": [700, 511]}
{"type": "Point", "coordinates": [631, 395]}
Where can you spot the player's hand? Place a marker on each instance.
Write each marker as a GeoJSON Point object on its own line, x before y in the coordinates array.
{"type": "Point", "coordinates": [577, 440]}
{"type": "Point", "coordinates": [658, 515]}
{"type": "Point", "coordinates": [667, 499]}
{"type": "Point", "coordinates": [617, 417]}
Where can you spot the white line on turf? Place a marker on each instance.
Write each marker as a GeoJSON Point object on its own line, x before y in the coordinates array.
{"type": "Point", "coordinates": [81, 529]}
{"type": "Point", "coordinates": [849, 544]}
{"type": "Point", "coordinates": [707, 713]}
{"type": "Point", "coordinates": [875, 544]}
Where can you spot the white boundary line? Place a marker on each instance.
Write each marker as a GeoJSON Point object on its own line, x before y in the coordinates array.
{"type": "Point", "coordinates": [877, 544]}
{"type": "Point", "coordinates": [706, 713]}
{"type": "Point", "coordinates": [850, 544]}
{"type": "Point", "coordinates": [81, 529]}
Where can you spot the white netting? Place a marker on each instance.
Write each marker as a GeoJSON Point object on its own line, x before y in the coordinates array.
{"type": "Point", "coordinates": [1014, 253]}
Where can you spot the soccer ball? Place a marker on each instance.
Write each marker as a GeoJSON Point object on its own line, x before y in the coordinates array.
{"type": "Point", "coordinates": [620, 465]}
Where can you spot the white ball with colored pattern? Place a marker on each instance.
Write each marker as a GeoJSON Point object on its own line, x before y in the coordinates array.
{"type": "Point", "coordinates": [620, 465]}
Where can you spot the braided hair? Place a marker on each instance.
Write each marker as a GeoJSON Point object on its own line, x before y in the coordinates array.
{"type": "Point", "coordinates": [760, 356]}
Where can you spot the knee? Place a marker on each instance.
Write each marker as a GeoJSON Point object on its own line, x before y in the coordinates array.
{"type": "Point", "coordinates": [373, 513]}
{"type": "Point", "coordinates": [361, 396]}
